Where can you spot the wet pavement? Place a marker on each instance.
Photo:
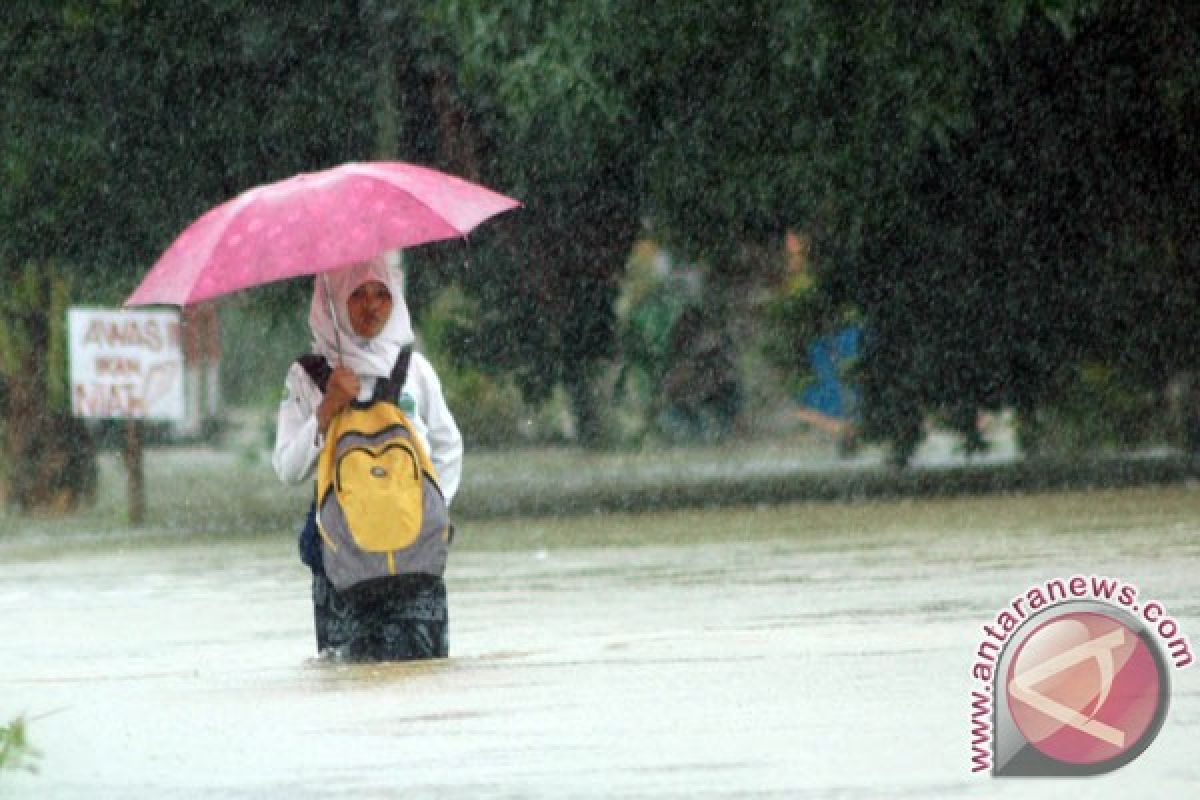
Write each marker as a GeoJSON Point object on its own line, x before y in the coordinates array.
{"type": "Point", "coordinates": [800, 651]}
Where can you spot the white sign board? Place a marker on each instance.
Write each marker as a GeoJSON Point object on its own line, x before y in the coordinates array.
{"type": "Point", "coordinates": [125, 364]}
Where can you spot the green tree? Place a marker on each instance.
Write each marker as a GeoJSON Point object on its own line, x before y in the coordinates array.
{"type": "Point", "coordinates": [1006, 194]}
{"type": "Point", "coordinates": [539, 100]}
{"type": "Point", "coordinates": [125, 121]}
{"type": "Point", "coordinates": [1061, 202]}
{"type": "Point", "coordinates": [929, 151]}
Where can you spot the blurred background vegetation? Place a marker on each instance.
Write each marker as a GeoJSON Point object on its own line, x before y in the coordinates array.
{"type": "Point", "coordinates": [1001, 197]}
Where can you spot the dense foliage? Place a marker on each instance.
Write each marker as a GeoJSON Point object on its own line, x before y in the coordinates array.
{"type": "Point", "coordinates": [1050, 227]}
{"type": "Point", "coordinates": [1003, 194]}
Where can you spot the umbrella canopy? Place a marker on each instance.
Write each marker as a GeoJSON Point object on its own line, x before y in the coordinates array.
{"type": "Point", "coordinates": [314, 222]}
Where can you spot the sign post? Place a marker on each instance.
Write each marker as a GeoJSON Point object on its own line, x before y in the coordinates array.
{"type": "Point", "coordinates": [127, 365]}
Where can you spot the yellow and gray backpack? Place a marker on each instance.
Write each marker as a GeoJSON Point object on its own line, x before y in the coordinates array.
{"type": "Point", "coordinates": [379, 507]}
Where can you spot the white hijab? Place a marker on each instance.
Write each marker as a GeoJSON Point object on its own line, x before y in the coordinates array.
{"type": "Point", "coordinates": [335, 339]}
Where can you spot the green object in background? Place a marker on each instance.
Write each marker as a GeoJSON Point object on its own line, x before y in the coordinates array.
{"type": "Point", "coordinates": [15, 750]}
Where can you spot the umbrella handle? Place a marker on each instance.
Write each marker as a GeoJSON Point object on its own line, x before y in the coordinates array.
{"type": "Point", "coordinates": [337, 334]}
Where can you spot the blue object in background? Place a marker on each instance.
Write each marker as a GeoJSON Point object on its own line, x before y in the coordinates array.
{"type": "Point", "coordinates": [829, 356]}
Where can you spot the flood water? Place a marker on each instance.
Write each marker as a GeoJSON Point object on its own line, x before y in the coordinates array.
{"type": "Point", "coordinates": [807, 651]}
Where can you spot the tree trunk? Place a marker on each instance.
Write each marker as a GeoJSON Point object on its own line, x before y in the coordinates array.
{"type": "Point", "coordinates": [457, 141]}
{"type": "Point", "coordinates": [50, 454]}
{"type": "Point", "coordinates": [590, 421]}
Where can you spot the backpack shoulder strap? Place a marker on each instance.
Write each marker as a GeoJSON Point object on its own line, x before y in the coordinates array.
{"type": "Point", "coordinates": [317, 368]}
{"type": "Point", "coordinates": [390, 388]}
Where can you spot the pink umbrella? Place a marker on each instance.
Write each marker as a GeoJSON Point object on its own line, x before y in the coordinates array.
{"type": "Point", "coordinates": [314, 222]}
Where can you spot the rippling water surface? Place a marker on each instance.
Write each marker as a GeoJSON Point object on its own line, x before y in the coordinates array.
{"type": "Point", "coordinates": [807, 651]}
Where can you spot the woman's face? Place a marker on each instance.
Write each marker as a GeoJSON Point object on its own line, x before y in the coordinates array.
{"type": "Point", "coordinates": [369, 308]}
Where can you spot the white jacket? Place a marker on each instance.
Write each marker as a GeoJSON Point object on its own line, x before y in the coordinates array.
{"type": "Point", "coordinates": [297, 444]}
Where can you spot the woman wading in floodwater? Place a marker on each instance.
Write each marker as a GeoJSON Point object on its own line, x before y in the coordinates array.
{"type": "Point", "coordinates": [361, 330]}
